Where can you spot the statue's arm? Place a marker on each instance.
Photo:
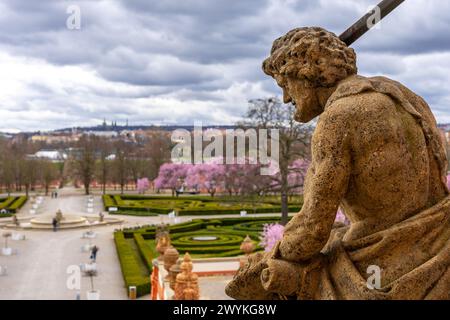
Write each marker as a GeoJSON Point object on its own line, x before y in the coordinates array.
{"type": "Point", "coordinates": [326, 184]}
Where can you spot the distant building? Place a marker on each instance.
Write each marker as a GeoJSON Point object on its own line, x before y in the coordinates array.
{"type": "Point", "coordinates": [52, 155]}
{"type": "Point", "coordinates": [6, 135]}
{"type": "Point", "coordinates": [111, 157]}
{"type": "Point", "coordinates": [55, 138]}
{"type": "Point", "coordinates": [104, 134]}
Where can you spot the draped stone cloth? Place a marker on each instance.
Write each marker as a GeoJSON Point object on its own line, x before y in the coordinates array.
{"type": "Point", "coordinates": [413, 255]}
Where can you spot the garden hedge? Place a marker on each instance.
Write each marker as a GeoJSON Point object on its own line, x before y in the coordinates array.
{"type": "Point", "coordinates": [12, 204]}
{"type": "Point", "coordinates": [136, 247]}
{"type": "Point", "coordinates": [130, 266]}
{"type": "Point", "coordinates": [192, 205]}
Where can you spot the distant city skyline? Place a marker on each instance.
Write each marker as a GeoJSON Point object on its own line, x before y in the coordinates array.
{"type": "Point", "coordinates": [173, 63]}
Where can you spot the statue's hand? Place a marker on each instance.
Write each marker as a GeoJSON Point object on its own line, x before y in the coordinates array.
{"type": "Point", "coordinates": [246, 284]}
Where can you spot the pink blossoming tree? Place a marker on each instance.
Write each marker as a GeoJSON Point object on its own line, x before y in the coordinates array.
{"type": "Point", "coordinates": [142, 185]}
{"type": "Point", "coordinates": [172, 176]}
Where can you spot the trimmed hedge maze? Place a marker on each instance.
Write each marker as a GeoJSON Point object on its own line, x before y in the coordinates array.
{"type": "Point", "coordinates": [193, 205]}
{"type": "Point", "coordinates": [202, 238]}
{"type": "Point", "coordinates": [11, 205]}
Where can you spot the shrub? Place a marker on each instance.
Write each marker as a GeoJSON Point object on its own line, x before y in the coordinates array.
{"type": "Point", "coordinates": [190, 205]}
{"type": "Point", "coordinates": [18, 203]}
{"type": "Point", "coordinates": [12, 203]}
{"type": "Point", "coordinates": [146, 249]}
{"type": "Point", "coordinates": [7, 202]}
{"type": "Point", "coordinates": [131, 271]}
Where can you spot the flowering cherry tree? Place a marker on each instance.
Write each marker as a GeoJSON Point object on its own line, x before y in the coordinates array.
{"type": "Point", "coordinates": [239, 178]}
{"type": "Point", "coordinates": [340, 217]}
{"type": "Point", "coordinates": [271, 234]}
{"type": "Point", "coordinates": [142, 185]}
{"type": "Point", "coordinates": [208, 176]}
{"type": "Point", "coordinates": [172, 176]}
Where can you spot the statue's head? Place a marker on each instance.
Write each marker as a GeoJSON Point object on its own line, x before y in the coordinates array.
{"type": "Point", "coordinates": [306, 62]}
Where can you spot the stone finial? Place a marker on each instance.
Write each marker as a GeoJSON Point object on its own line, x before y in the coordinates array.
{"type": "Point", "coordinates": [163, 242]}
{"type": "Point", "coordinates": [161, 229]}
{"type": "Point", "coordinates": [187, 280]}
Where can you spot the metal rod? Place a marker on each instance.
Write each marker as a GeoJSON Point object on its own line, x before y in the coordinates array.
{"type": "Point", "coordinates": [361, 26]}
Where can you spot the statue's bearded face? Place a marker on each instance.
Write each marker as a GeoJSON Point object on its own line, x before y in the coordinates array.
{"type": "Point", "coordinates": [302, 95]}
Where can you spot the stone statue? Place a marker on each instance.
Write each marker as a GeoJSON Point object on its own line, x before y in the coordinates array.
{"type": "Point", "coordinates": [59, 216]}
{"type": "Point", "coordinates": [377, 153]}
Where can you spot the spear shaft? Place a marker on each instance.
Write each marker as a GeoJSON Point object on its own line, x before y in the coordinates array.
{"type": "Point", "coordinates": [363, 25]}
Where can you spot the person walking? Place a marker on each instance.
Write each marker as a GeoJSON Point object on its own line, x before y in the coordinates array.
{"type": "Point", "coordinates": [55, 224]}
{"type": "Point", "coordinates": [94, 251]}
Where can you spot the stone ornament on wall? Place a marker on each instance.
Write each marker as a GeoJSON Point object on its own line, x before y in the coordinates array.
{"type": "Point", "coordinates": [186, 283]}
{"type": "Point", "coordinates": [162, 243]}
{"type": "Point", "coordinates": [171, 256]}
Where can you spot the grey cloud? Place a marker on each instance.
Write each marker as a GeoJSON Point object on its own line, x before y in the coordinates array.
{"type": "Point", "coordinates": [169, 60]}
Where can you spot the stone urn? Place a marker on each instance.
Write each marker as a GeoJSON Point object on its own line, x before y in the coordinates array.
{"type": "Point", "coordinates": [171, 256]}
{"type": "Point", "coordinates": [173, 272]}
{"type": "Point", "coordinates": [247, 246]}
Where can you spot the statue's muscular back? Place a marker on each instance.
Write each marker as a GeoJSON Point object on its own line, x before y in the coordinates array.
{"type": "Point", "coordinates": [393, 171]}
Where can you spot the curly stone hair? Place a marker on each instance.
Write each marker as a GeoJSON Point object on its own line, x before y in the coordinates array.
{"type": "Point", "coordinates": [313, 54]}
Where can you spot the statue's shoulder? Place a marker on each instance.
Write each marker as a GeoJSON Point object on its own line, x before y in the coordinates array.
{"type": "Point", "coordinates": [358, 94]}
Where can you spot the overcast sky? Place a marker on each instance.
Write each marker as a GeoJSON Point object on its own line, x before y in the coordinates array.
{"type": "Point", "coordinates": [176, 62]}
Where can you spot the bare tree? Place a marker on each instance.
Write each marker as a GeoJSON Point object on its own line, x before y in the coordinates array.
{"type": "Point", "coordinates": [49, 172]}
{"type": "Point", "coordinates": [84, 161]}
{"type": "Point", "coordinates": [294, 140]}
{"type": "Point", "coordinates": [104, 164]}
{"type": "Point", "coordinates": [29, 169]}
{"type": "Point", "coordinates": [7, 176]}
{"type": "Point", "coordinates": [157, 149]}
{"type": "Point", "coordinates": [120, 165]}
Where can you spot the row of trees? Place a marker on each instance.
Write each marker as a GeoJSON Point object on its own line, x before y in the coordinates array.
{"type": "Point", "coordinates": [232, 179]}
{"type": "Point", "coordinates": [119, 163]}
{"type": "Point", "coordinates": [19, 172]}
